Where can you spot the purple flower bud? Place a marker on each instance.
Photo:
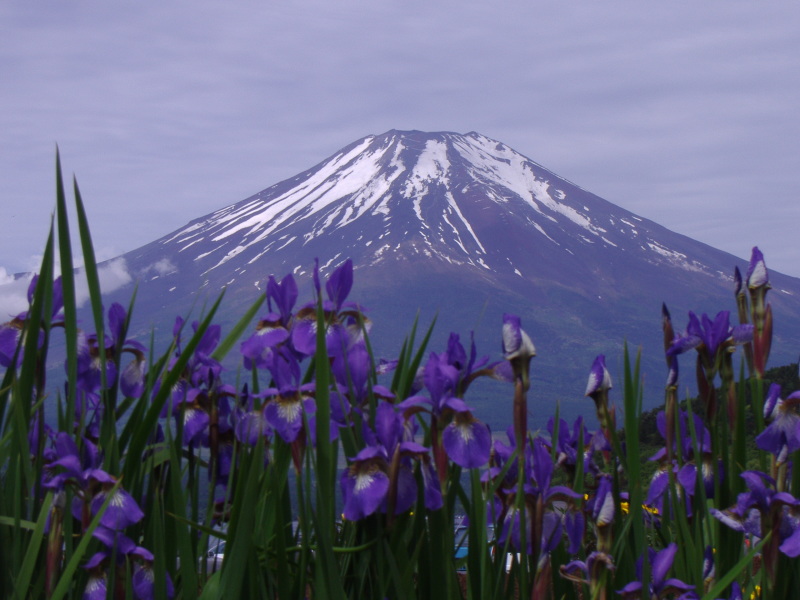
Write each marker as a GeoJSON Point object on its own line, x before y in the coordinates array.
{"type": "Point", "coordinates": [602, 504]}
{"type": "Point", "coordinates": [516, 343]}
{"type": "Point", "coordinates": [599, 377]}
{"type": "Point", "coordinates": [757, 275]}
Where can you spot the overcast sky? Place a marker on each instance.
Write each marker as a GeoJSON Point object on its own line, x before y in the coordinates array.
{"type": "Point", "coordinates": [685, 113]}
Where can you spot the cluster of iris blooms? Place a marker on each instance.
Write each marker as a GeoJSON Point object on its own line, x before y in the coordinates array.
{"type": "Point", "coordinates": [562, 490]}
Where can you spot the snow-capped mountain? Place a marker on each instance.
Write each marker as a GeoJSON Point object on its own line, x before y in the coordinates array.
{"type": "Point", "coordinates": [461, 199]}
{"type": "Point", "coordinates": [466, 226]}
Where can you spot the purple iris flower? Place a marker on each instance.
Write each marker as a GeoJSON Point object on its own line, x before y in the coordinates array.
{"type": "Point", "coordinates": [384, 468]}
{"type": "Point", "coordinates": [395, 435]}
{"type": "Point", "coordinates": [709, 336]}
{"type": "Point", "coordinates": [352, 372]}
{"type": "Point", "coordinates": [588, 572]}
{"type": "Point", "coordinates": [89, 351]}
{"type": "Point", "coordinates": [257, 347]}
{"type": "Point", "coordinates": [466, 440]}
{"type": "Point", "coordinates": [202, 367]}
{"type": "Point", "coordinates": [782, 436]}
{"type": "Point", "coordinates": [144, 581]}
{"type": "Point", "coordinates": [80, 470]}
{"type": "Point", "coordinates": [339, 284]}
{"type": "Point", "coordinates": [567, 445]}
{"type": "Point", "coordinates": [275, 327]}
{"type": "Point", "coordinates": [761, 509]}
{"type": "Point", "coordinates": [540, 475]}
{"type": "Point", "coordinates": [199, 395]}
{"type": "Point", "coordinates": [575, 525]}
{"type": "Point", "coordinates": [125, 551]}
{"type": "Point", "coordinates": [288, 400]}
{"type": "Point", "coordinates": [71, 465]}
{"type": "Point", "coordinates": [659, 585]}
{"type": "Point", "coordinates": [284, 409]}
{"type": "Point", "coordinates": [122, 510]}
{"type": "Point", "coordinates": [10, 333]}
{"type": "Point", "coordinates": [500, 456]}
{"type": "Point", "coordinates": [539, 498]}
{"type": "Point", "coordinates": [96, 585]}
{"type": "Point", "coordinates": [345, 321]}
{"type": "Point", "coordinates": [365, 484]}
{"type": "Point", "coordinates": [249, 422]}
{"type": "Point", "coordinates": [469, 366]}
{"type": "Point", "coordinates": [686, 450]}
{"type": "Point", "coordinates": [686, 475]}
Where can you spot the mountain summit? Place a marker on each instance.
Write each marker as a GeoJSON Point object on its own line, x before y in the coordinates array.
{"type": "Point", "coordinates": [466, 227]}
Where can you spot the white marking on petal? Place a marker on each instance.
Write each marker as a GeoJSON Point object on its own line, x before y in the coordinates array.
{"type": "Point", "coordinates": [289, 410]}
{"type": "Point", "coordinates": [364, 481]}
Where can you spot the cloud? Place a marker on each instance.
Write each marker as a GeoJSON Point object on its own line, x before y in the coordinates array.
{"type": "Point", "coordinates": [14, 290]}
{"type": "Point", "coordinates": [112, 275]}
{"type": "Point", "coordinates": [5, 276]}
{"type": "Point", "coordinates": [162, 267]}
{"type": "Point", "coordinates": [13, 295]}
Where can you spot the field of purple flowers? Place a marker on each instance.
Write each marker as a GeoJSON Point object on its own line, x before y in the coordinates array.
{"type": "Point", "coordinates": [329, 472]}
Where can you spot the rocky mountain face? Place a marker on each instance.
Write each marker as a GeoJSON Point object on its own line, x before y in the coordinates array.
{"type": "Point", "coordinates": [463, 228]}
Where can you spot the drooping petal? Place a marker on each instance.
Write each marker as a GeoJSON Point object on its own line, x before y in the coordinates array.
{"type": "Point", "coordinates": [122, 509]}
{"type": "Point", "coordinates": [285, 415]}
{"type": "Point", "coordinates": [467, 441]}
{"type": "Point", "coordinates": [95, 587]}
{"type": "Point", "coordinates": [791, 545]}
{"type": "Point", "coordinates": [249, 426]}
{"type": "Point", "coordinates": [257, 347]}
{"type": "Point", "coordinates": [304, 335]}
{"type": "Point", "coordinates": [663, 562]}
{"type": "Point", "coordinates": [684, 344]}
{"type": "Point", "coordinates": [364, 487]}
{"type": "Point", "coordinates": [131, 382]}
{"type": "Point", "coordinates": [195, 424]}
